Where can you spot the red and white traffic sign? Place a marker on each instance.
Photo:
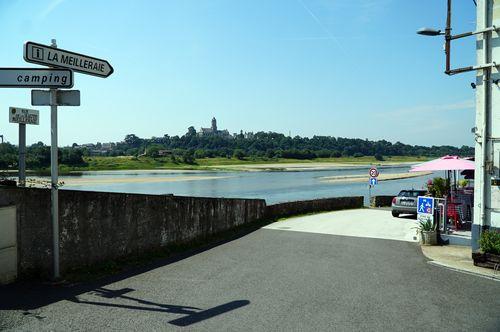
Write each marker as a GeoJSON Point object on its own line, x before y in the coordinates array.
{"type": "Point", "coordinates": [373, 172]}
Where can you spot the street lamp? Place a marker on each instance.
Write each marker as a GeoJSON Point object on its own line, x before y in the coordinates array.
{"type": "Point", "coordinates": [429, 32]}
{"type": "Point", "coordinates": [448, 37]}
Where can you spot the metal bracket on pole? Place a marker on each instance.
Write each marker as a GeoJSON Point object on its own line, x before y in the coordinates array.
{"type": "Point", "coordinates": [472, 33]}
{"type": "Point", "coordinates": [449, 37]}
{"type": "Point", "coordinates": [471, 68]}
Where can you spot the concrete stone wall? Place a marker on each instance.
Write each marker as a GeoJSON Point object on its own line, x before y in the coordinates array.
{"type": "Point", "coordinates": [381, 201]}
{"type": "Point", "coordinates": [287, 209]}
{"type": "Point", "coordinates": [99, 226]}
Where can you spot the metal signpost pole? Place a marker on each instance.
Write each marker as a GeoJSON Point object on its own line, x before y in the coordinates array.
{"type": "Point", "coordinates": [54, 178]}
{"type": "Point", "coordinates": [369, 194]}
{"type": "Point", "coordinates": [22, 154]}
{"type": "Point", "coordinates": [64, 62]}
{"type": "Point", "coordinates": [22, 117]}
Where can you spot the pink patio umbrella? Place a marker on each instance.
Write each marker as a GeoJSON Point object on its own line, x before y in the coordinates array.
{"type": "Point", "coordinates": [446, 163]}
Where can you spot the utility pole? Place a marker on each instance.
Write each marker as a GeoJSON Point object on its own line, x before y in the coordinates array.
{"type": "Point", "coordinates": [487, 173]}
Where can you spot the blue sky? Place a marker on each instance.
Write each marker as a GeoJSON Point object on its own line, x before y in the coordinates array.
{"type": "Point", "coordinates": [349, 68]}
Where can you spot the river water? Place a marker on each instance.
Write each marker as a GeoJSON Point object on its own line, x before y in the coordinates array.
{"type": "Point", "coordinates": [273, 186]}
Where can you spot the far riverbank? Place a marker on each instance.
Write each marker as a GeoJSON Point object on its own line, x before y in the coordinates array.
{"type": "Point", "coordinates": [234, 164]}
{"type": "Point", "coordinates": [124, 163]}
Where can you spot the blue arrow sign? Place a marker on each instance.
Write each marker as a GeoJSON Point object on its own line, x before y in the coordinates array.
{"type": "Point", "coordinates": [373, 181]}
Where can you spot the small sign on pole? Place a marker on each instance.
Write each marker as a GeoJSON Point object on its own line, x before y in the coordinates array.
{"type": "Point", "coordinates": [373, 172]}
{"type": "Point", "coordinates": [24, 116]}
{"type": "Point", "coordinates": [373, 181]}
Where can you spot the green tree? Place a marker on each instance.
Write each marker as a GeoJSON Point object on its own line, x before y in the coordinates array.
{"type": "Point", "coordinates": [191, 132]}
{"type": "Point", "coordinates": [8, 156]}
{"type": "Point", "coordinates": [38, 156]}
{"type": "Point", "coordinates": [239, 154]}
{"type": "Point", "coordinates": [153, 151]}
{"type": "Point", "coordinates": [188, 157]}
{"type": "Point", "coordinates": [71, 157]}
{"type": "Point", "coordinates": [200, 153]}
{"type": "Point", "coordinates": [133, 141]}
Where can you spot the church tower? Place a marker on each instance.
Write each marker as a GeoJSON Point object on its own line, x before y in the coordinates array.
{"type": "Point", "coordinates": [214, 125]}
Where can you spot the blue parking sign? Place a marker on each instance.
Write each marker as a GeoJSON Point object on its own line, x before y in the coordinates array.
{"type": "Point", "coordinates": [425, 205]}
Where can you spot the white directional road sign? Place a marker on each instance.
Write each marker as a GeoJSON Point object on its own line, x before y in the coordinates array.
{"type": "Point", "coordinates": [55, 57]}
{"type": "Point", "coordinates": [63, 98]}
{"type": "Point", "coordinates": [23, 116]}
{"type": "Point", "coordinates": [36, 78]}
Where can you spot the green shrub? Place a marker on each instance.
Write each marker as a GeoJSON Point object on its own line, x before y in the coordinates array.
{"type": "Point", "coordinates": [426, 225]}
{"type": "Point", "coordinates": [490, 242]}
{"type": "Point", "coordinates": [439, 187]}
{"type": "Point", "coordinates": [239, 154]}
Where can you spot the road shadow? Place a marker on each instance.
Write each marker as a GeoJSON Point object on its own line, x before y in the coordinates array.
{"type": "Point", "coordinates": [192, 315]}
{"type": "Point", "coordinates": [31, 295]}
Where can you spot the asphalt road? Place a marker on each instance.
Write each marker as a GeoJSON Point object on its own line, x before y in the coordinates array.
{"type": "Point", "coordinates": [269, 280]}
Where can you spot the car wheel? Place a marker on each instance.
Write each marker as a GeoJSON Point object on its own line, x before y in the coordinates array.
{"type": "Point", "coordinates": [395, 214]}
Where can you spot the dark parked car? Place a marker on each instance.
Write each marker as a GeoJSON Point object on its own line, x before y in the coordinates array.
{"type": "Point", "coordinates": [406, 202]}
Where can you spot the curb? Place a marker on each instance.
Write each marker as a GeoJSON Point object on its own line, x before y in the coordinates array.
{"type": "Point", "coordinates": [477, 274]}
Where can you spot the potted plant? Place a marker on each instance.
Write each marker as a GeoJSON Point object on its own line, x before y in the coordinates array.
{"type": "Point", "coordinates": [428, 232]}
{"type": "Point", "coordinates": [489, 256]}
{"type": "Point", "coordinates": [438, 187]}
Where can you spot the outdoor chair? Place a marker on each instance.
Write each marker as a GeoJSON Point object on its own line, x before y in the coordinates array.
{"type": "Point", "coordinates": [455, 212]}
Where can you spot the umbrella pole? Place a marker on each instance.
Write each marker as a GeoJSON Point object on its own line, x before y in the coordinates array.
{"type": "Point", "coordinates": [446, 204]}
{"type": "Point", "coordinates": [455, 176]}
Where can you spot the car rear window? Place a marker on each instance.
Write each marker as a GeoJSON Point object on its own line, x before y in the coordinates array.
{"type": "Point", "coordinates": [411, 193]}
